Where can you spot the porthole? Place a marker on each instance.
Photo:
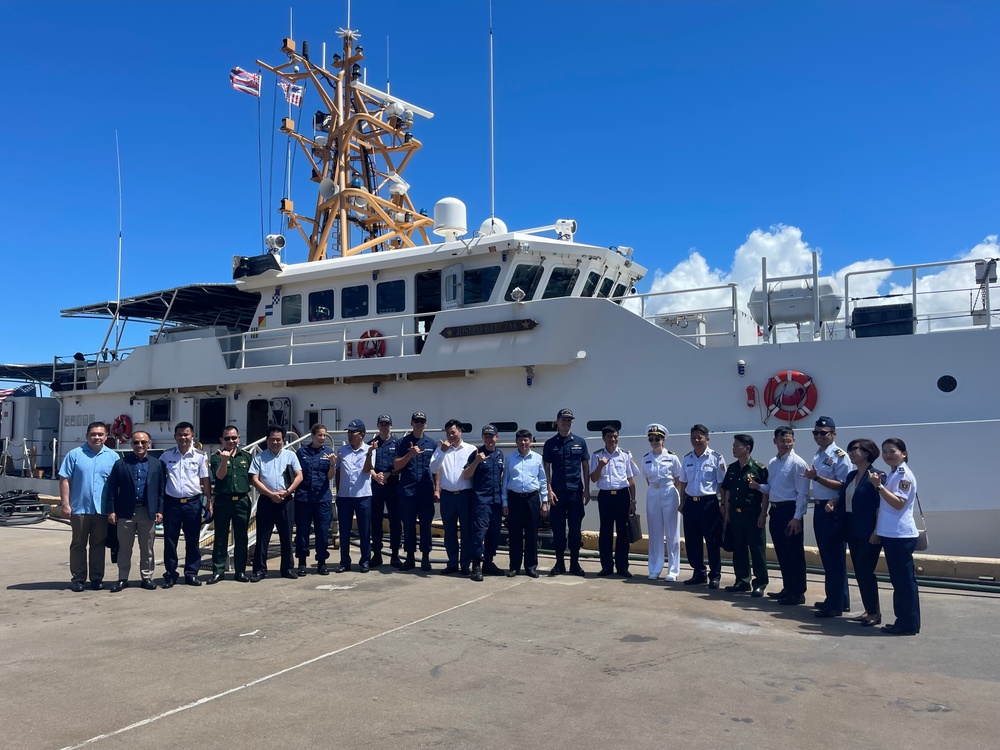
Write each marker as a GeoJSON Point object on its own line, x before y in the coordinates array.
{"type": "Point", "coordinates": [947, 384]}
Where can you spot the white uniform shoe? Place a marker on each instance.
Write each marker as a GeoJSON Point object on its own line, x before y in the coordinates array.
{"type": "Point", "coordinates": [669, 578]}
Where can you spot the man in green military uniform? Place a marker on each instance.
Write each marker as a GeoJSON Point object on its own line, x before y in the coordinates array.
{"type": "Point", "coordinates": [744, 510]}
{"type": "Point", "coordinates": [229, 466]}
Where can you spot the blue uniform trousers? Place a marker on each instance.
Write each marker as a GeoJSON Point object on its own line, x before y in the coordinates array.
{"type": "Point", "coordinates": [903, 576]}
{"type": "Point", "coordinates": [829, 529]}
{"type": "Point", "coordinates": [612, 507]}
{"type": "Point", "coordinates": [864, 559]}
{"type": "Point", "coordinates": [789, 550]}
{"type": "Point", "coordinates": [486, 521]}
{"type": "Point", "coordinates": [317, 516]}
{"type": "Point", "coordinates": [178, 516]}
{"type": "Point", "coordinates": [455, 514]}
{"type": "Point", "coordinates": [567, 511]}
{"type": "Point", "coordinates": [347, 509]}
{"type": "Point", "coordinates": [702, 524]}
{"type": "Point", "coordinates": [271, 516]}
{"type": "Point", "coordinates": [523, 510]}
{"type": "Point", "coordinates": [411, 509]}
{"type": "Point", "coordinates": [385, 500]}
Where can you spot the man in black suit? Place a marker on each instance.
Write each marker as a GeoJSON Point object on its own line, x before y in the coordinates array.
{"type": "Point", "coordinates": [135, 490]}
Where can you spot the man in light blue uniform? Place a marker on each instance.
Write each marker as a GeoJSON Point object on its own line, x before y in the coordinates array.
{"type": "Point", "coordinates": [829, 470]}
{"type": "Point", "coordinates": [354, 494]}
{"type": "Point", "coordinates": [275, 473]}
{"type": "Point", "coordinates": [525, 500]}
{"type": "Point", "coordinates": [82, 477]}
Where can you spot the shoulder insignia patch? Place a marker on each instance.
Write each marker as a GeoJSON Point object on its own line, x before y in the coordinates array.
{"type": "Point", "coordinates": [904, 485]}
{"type": "Point", "coordinates": [840, 453]}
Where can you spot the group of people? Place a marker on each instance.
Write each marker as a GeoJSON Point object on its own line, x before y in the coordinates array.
{"type": "Point", "coordinates": [403, 478]}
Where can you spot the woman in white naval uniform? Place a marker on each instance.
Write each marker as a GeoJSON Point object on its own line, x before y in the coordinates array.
{"type": "Point", "coordinates": [661, 467]}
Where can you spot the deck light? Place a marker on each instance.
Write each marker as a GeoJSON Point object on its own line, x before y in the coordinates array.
{"type": "Point", "coordinates": [741, 367]}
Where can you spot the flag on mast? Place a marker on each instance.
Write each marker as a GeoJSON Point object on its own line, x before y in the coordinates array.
{"type": "Point", "coordinates": [245, 81]}
{"type": "Point", "coordinates": [293, 92]}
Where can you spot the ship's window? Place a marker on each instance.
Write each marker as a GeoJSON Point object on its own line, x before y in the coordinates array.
{"type": "Point", "coordinates": [505, 426]}
{"type": "Point", "coordinates": [526, 277]}
{"type": "Point", "coordinates": [605, 289]}
{"type": "Point", "coordinates": [561, 282]}
{"type": "Point", "coordinates": [354, 301]}
{"type": "Point", "coordinates": [596, 425]}
{"type": "Point", "coordinates": [466, 427]}
{"type": "Point", "coordinates": [619, 291]}
{"type": "Point", "coordinates": [947, 383]}
{"type": "Point", "coordinates": [291, 310]}
{"type": "Point", "coordinates": [546, 427]}
{"type": "Point", "coordinates": [390, 297]}
{"type": "Point", "coordinates": [321, 305]}
{"type": "Point", "coordinates": [450, 288]}
{"type": "Point", "coordinates": [479, 283]}
{"type": "Point", "coordinates": [591, 286]}
{"type": "Point", "coordinates": [159, 410]}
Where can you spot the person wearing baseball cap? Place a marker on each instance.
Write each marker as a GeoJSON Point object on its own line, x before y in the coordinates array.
{"type": "Point", "coordinates": [567, 471]}
{"type": "Point", "coordinates": [416, 490]}
{"type": "Point", "coordinates": [354, 494]}
{"type": "Point", "coordinates": [486, 470]}
{"type": "Point", "coordinates": [384, 498]}
{"type": "Point", "coordinates": [661, 469]}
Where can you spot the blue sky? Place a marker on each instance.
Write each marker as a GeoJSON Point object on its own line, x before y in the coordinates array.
{"type": "Point", "coordinates": [867, 130]}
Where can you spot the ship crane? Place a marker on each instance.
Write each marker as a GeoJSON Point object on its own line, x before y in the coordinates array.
{"type": "Point", "coordinates": [362, 143]}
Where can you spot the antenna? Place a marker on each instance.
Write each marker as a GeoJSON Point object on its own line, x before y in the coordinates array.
{"type": "Point", "coordinates": [387, 63]}
{"type": "Point", "coordinates": [493, 173]}
{"type": "Point", "coordinates": [118, 292]}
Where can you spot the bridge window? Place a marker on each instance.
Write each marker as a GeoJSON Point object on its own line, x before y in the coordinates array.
{"type": "Point", "coordinates": [159, 410]}
{"type": "Point", "coordinates": [479, 283]}
{"type": "Point", "coordinates": [291, 310]}
{"type": "Point", "coordinates": [321, 305]}
{"type": "Point", "coordinates": [354, 301]}
{"type": "Point", "coordinates": [591, 286]}
{"type": "Point", "coordinates": [390, 297]}
{"type": "Point", "coordinates": [526, 277]}
{"type": "Point", "coordinates": [619, 293]}
{"type": "Point", "coordinates": [561, 282]}
{"type": "Point", "coordinates": [606, 289]}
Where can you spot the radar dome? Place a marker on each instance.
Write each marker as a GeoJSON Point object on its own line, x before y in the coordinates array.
{"type": "Point", "coordinates": [491, 226]}
{"type": "Point", "coordinates": [449, 218]}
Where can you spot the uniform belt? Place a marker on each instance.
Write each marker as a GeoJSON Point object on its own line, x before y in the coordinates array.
{"type": "Point", "coordinates": [183, 500]}
{"type": "Point", "coordinates": [522, 494]}
{"type": "Point", "coordinates": [616, 490]}
{"type": "Point", "coordinates": [454, 492]}
{"type": "Point", "coordinates": [696, 498]}
{"type": "Point", "coordinates": [235, 497]}
{"type": "Point", "coordinates": [779, 502]}
{"type": "Point", "coordinates": [738, 510]}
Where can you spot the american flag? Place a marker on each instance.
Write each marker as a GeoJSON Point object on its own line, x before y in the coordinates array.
{"type": "Point", "coordinates": [245, 81]}
{"type": "Point", "coordinates": [293, 92]}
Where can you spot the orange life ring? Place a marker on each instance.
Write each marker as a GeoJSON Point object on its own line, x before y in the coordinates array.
{"type": "Point", "coordinates": [790, 395]}
{"type": "Point", "coordinates": [122, 428]}
{"type": "Point", "coordinates": [371, 344]}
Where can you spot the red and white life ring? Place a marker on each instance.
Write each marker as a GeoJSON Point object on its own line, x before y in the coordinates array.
{"type": "Point", "coordinates": [370, 344]}
{"type": "Point", "coordinates": [121, 429]}
{"type": "Point", "coordinates": [790, 395]}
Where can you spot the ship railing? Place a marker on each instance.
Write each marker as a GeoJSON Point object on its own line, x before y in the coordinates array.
{"type": "Point", "coordinates": [83, 372]}
{"type": "Point", "coordinates": [673, 311]}
{"type": "Point", "coordinates": [944, 315]}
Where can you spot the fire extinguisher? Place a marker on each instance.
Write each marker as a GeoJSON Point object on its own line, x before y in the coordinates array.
{"type": "Point", "coordinates": [751, 396]}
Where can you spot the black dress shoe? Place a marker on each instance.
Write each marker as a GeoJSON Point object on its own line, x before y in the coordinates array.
{"type": "Point", "coordinates": [624, 574]}
{"type": "Point", "coordinates": [491, 569]}
{"type": "Point", "coordinates": [302, 568]}
{"type": "Point", "coordinates": [896, 630]}
{"type": "Point", "coordinates": [576, 570]}
{"type": "Point", "coordinates": [408, 564]}
{"type": "Point", "coordinates": [824, 613]}
{"type": "Point", "coordinates": [215, 579]}
{"type": "Point", "coordinates": [322, 570]}
{"type": "Point", "coordinates": [376, 561]}
{"type": "Point", "coordinates": [290, 574]}
{"type": "Point", "coordinates": [513, 573]}
{"type": "Point", "coordinates": [97, 585]}
{"type": "Point", "coordinates": [394, 561]}
{"type": "Point", "coordinates": [76, 587]}
{"type": "Point", "coordinates": [168, 583]}
{"type": "Point", "coordinates": [365, 567]}
{"type": "Point", "coordinates": [449, 570]}
{"type": "Point", "coordinates": [604, 572]}
{"type": "Point", "coordinates": [343, 568]}
{"type": "Point", "coordinates": [738, 587]}
{"type": "Point", "coordinates": [777, 594]}
{"type": "Point", "coordinates": [713, 582]}
{"type": "Point", "coordinates": [820, 605]}
{"type": "Point", "coordinates": [464, 570]}
{"type": "Point", "coordinates": [241, 578]}
{"type": "Point", "coordinates": [192, 581]}
{"type": "Point", "coordinates": [696, 581]}
{"type": "Point", "coordinates": [791, 600]}
{"type": "Point", "coordinates": [425, 563]}
{"type": "Point", "coordinates": [147, 584]}
{"type": "Point", "coordinates": [758, 592]}
{"type": "Point", "coordinates": [877, 620]}
{"type": "Point", "coordinates": [118, 586]}
{"type": "Point", "coordinates": [258, 576]}
{"type": "Point", "coordinates": [558, 569]}
{"type": "Point", "coordinates": [531, 572]}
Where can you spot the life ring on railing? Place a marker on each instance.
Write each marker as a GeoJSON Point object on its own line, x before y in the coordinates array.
{"type": "Point", "coordinates": [370, 344]}
{"type": "Point", "coordinates": [121, 428]}
{"type": "Point", "coordinates": [790, 395]}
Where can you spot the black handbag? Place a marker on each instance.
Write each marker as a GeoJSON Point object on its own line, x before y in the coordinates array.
{"type": "Point", "coordinates": [727, 537]}
{"type": "Point", "coordinates": [634, 528]}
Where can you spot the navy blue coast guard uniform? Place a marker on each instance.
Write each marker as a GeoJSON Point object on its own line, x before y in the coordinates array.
{"type": "Point", "coordinates": [385, 500]}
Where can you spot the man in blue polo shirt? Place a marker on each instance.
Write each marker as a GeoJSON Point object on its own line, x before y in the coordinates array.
{"type": "Point", "coordinates": [82, 476]}
{"type": "Point", "coordinates": [567, 470]}
{"type": "Point", "coordinates": [416, 490]}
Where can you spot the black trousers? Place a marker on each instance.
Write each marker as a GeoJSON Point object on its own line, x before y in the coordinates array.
{"type": "Point", "coordinates": [178, 516]}
{"type": "Point", "coordinates": [612, 508]}
{"type": "Point", "coordinates": [385, 501]}
{"type": "Point", "coordinates": [703, 525]}
{"type": "Point", "coordinates": [864, 559]}
{"type": "Point", "coordinates": [569, 512]}
{"type": "Point", "coordinates": [271, 516]}
{"type": "Point", "coordinates": [903, 576]}
{"type": "Point", "coordinates": [790, 550]}
{"type": "Point", "coordinates": [523, 510]}
{"type": "Point", "coordinates": [411, 509]}
{"type": "Point", "coordinates": [829, 530]}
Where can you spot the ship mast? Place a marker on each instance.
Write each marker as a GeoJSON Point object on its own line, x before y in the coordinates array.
{"type": "Point", "coordinates": [362, 142]}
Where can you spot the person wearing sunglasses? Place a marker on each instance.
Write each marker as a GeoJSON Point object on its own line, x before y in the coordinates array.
{"type": "Point", "coordinates": [135, 491]}
{"type": "Point", "coordinates": [231, 466]}
{"type": "Point", "coordinates": [743, 511]}
{"type": "Point", "coordinates": [661, 469]}
{"type": "Point", "coordinates": [859, 503]}
{"type": "Point", "coordinates": [416, 490]}
{"type": "Point", "coordinates": [829, 470]}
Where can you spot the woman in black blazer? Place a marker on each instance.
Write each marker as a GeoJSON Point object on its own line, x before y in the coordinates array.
{"type": "Point", "coordinates": [859, 502]}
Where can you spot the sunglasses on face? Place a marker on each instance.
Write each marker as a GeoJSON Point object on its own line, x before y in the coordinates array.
{"type": "Point", "coordinates": [655, 439]}
{"type": "Point", "coordinates": [419, 421]}
{"type": "Point", "coordinates": [140, 442]}
{"type": "Point", "coordinates": [231, 437]}
{"type": "Point", "coordinates": [822, 432]}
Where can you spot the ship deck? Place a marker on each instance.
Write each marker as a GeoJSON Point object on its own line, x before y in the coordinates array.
{"type": "Point", "coordinates": [415, 660]}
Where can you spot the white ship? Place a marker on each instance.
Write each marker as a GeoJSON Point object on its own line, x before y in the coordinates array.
{"type": "Point", "coordinates": [396, 311]}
